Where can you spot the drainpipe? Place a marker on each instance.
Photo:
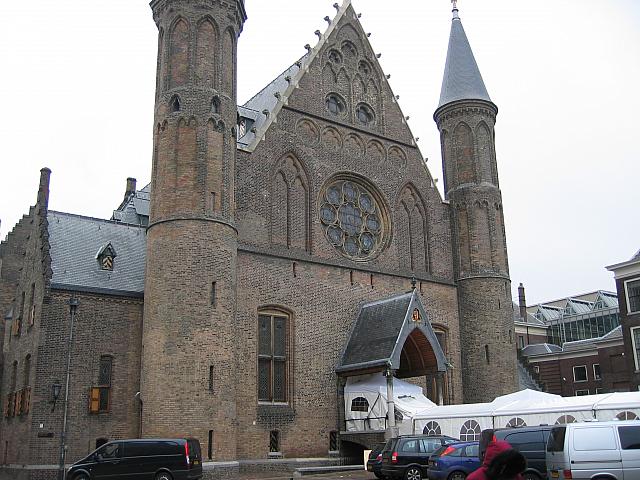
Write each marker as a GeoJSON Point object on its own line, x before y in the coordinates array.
{"type": "Point", "coordinates": [391, 431]}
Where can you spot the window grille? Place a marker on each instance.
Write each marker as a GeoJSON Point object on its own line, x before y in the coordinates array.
{"type": "Point", "coordinates": [627, 416]}
{"type": "Point", "coordinates": [565, 419]}
{"type": "Point", "coordinates": [633, 295]}
{"type": "Point", "coordinates": [272, 358]}
{"type": "Point", "coordinates": [274, 441]}
{"type": "Point", "coordinates": [470, 431]}
{"type": "Point", "coordinates": [359, 404]}
{"type": "Point", "coordinates": [100, 396]}
{"type": "Point", "coordinates": [432, 428]}
{"type": "Point", "coordinates": [516, 422]}
{"type": "Point", "coordinates": [333, 441]}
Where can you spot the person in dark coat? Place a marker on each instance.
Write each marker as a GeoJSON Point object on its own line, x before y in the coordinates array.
{"type": "Point", "coordinates": [501, 462]}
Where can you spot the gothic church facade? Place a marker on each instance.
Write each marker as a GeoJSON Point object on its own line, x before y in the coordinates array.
{"type": "Point", "coordinates": [223, 301]}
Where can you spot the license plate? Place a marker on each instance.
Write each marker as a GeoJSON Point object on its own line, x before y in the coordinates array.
{"type": "Point", "coordinates": [196, 462]}
{"type": "Point", "coordinates": [555, 474]}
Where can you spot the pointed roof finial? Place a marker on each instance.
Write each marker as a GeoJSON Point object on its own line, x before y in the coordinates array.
{"type": "Point", "coordinates": [414, 281]}
{"type": "Point", "coordinates": [455, 8]}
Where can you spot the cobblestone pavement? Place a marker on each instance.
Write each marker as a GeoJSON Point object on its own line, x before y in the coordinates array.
{"type": "Point", "coordinates": [327, 476]}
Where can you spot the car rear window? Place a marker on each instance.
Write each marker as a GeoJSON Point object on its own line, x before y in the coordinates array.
{"type": "Point", "coordinates": [194, 448]}
{"type": "Point", "coordinates": [556, 439]}
{"type": "Point", "coordinates": [431, 444]}
{"type": "Point", "coordinates": [526, 441]}
{"type": "Point", "coordinates": [594, 438]}
{"type": "Point", "coordinates": [630, 437]}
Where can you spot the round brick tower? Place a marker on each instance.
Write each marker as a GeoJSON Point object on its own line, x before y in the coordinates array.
{"type": "Point", "coordinates": [466, 118]}
{"type": "Point", "coordinates": [188, 360]}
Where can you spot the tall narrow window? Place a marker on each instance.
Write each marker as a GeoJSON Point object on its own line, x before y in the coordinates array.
{"type": "Point", "coordinates": [272, 357]}
{"type": "Point", "coordinates": [32, 311]}
{"type": "Point", "coordinates": [100, 399]}
{"type": "Point", "coordinates": [211, 378]}
{"type": "Point", "coordinates": [486, 353]}
{"type": "Point", "coordinates": [333, 441]}
{"type": "Point", "coordinates": [274, 441]}
{"type": "Point", "coordinates": [214, 294]}
{"type": "Point", "coordinates": [210, 448]}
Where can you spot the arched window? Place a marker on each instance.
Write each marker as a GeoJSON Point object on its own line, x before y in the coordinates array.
{"type": "Point", "coordinates": [215, 105]}
{"type": "Point", "coordinates": [627, 416]}
{"type": "Point", "coordinates": [359, 404]}
{"type": "Point", "coordinates": [273, 354]}
{"type": "Point", "coordinates": [365, 115]}
{"type": "Point", "coordinates": [398, 416]}
{"type": "Point", "coordinates": [516, 422]}
{"type": "Point", "coordinates": [174, 105]}
{"type": "Point", "coordinates": [336, 104]}
{"type": "Point", "coordinates": [432, 428]}
{"type": "Point", "coordinates": [470, 431]}
{"type": "Point", "coordinates": [565, 419]}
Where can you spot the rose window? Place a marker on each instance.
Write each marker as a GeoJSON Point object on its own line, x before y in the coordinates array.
{"type": "Point", "coordinates": [352, 219]}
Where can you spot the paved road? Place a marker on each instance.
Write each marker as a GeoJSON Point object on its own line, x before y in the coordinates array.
{"type": "Point", "coordinates": [328, 476]}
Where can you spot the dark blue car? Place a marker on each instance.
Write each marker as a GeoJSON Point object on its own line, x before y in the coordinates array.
{"type": "Point", "coordinates": [454, 461]}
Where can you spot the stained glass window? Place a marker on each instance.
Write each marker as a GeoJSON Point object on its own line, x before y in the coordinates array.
{"type": "Point", "coordinates": [335, 104]}
{"type": "Point", "coordinates": [352, 219]}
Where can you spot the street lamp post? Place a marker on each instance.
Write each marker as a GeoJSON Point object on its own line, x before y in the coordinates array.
{"type": "Point", "coordinates": [73, 306]}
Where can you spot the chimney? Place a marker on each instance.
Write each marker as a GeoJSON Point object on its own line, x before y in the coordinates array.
{"type": "Point", "coordinates": [43, 189]}
{"type": "Point", "coordinates": [131, 188]}
{"type": "Point", "coordinates": [522, 301]}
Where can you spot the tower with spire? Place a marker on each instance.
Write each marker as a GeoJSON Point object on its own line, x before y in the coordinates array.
{"type": "Point", "coordinates": [466, 117]}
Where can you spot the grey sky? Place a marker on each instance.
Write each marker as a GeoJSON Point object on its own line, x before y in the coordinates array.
{"type": "Point", "coordinates": [77, 82]}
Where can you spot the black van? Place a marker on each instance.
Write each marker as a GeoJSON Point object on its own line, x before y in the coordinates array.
{"type": "Point", "coordinates": [529, 441]}
{"type": "Point", "coordinates": [144, 459]}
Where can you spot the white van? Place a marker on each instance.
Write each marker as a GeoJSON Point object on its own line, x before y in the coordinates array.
{"type": "Point", "coordinates": [594, 450]}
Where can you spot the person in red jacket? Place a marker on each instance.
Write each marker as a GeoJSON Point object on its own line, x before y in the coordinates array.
{"type": "Point", "coordinates": [501, 462]}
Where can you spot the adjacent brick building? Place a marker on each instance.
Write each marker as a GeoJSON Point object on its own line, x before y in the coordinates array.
{"type": "Point", "coordinates": [217, 301]}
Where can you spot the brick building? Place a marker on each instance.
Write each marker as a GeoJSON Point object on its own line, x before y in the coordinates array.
{"type": "Point", "coordinates": [218, 300]}
{"type": "Point", "coordinates": [627, 275]}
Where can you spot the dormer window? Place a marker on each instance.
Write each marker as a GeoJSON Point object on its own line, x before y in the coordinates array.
{"type": "Point", "coordinates": [106, 256]}
{"type": "Point", "coordinates": [244, 124]}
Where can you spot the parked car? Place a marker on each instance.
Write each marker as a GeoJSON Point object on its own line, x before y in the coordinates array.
{"type": "Point", "coordinates": [529, 441]}
{"type": "Point", "coordinates": [146, 459]}
{"type": "Point", "coordinates": [595, 450]}
{"type": "Point", "coordinates": [408, 456]}
{"type": "Point", "coordinates": [374, 463]}
{"type": "Point", "coordinates": [454, 461]}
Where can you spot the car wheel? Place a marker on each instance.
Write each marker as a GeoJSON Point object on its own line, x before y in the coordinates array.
{"type": "Point", "coordinates": [164, 476]}
{"type": "Point", "coordinates": [81, 476]}
{"type": "Point", "coordinates": [413, 473]}
{"type": "Point", "coordinates": [457, 476]}
{"type": "Point", "coordinates": [530, 476]}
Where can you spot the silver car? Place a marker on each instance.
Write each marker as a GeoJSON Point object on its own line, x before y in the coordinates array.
{"type": "Point", "coordinates": [594, 450]}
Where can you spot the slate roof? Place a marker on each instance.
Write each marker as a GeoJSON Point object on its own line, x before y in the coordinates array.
{"type": "Point", "coordinates": [462, 79]}
{"type": "Point", "coordinates": [380, 332]}
{"type": "Point", "coordinates": [531, 320]}
{"type": "Point", "coordinates": [75, 242]}
{"type": "Point", "coordinates": [541, 349]}
{"type": "Point", "coordinates": [135, 210]}
{"type": "Point", "coordinates": [266, 99]}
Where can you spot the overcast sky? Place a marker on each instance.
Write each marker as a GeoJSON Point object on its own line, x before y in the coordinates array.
{"type": "Point", "coordinates": [77, 82]}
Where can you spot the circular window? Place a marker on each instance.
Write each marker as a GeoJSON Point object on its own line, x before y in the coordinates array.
{"type": "Point", "coordinates": [627, 416]}
{"type": "Point", "coordinates": [336, 105]}
{"type": "Point", "coordinates": [364, 115]}
{"type": "Point", "coordinates": [352, 218]}
{"type": "Point", "coordinates": [565, 419]}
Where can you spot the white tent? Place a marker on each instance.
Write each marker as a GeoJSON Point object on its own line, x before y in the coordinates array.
{"type": "Point", "coordinates": [366, 408]}
{"type": "Point", "coordinates": [365, 403]}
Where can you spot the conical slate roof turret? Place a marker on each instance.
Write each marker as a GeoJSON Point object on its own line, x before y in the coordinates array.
{"type": "Point", "coordinates": [462, 79]}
